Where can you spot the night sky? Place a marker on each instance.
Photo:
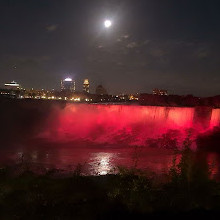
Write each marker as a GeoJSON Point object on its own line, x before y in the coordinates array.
{"type": "Point", "coordinates": [167, 44]}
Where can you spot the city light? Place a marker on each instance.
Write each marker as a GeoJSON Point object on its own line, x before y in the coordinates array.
{"type": "Point", "coordinates": [86, 81]}
{"type": "Point", "coordinates": [77, 99]}
{"type": "Point", "coordinates": [68, 80]}
{"type": "Point", "coordinates": [12, 84]}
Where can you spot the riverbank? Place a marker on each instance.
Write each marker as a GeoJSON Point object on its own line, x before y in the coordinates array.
{"type": "Point", "coordinates": [101, 197]}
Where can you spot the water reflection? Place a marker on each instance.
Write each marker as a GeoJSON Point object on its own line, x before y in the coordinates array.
{"type": "Point", "coordinates": [102, 163]}
{"type": "Point", "coordinates": [94, 160]}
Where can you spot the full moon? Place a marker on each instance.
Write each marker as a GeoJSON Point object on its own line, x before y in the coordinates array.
{"type": "Point", "coordinates": [107, 23]}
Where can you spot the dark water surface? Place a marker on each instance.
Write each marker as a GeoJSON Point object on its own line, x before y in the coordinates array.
{"type": "Point", "coordinates": [95, 160]}
{"type": "Point", "coordinates": [98, 159]}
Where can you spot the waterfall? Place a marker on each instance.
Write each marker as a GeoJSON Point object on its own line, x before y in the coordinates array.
{"type": "Point", "coordinates": [132, 125]}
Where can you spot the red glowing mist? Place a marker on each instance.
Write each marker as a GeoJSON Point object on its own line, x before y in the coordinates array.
{"type": "Point", "coordinates": [132, 125]}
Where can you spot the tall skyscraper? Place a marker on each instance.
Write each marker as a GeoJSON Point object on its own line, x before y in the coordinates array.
{"type": "Point", "coordinates": [68, 85]}
{"type": "Point", "coordinates": [86, 86]}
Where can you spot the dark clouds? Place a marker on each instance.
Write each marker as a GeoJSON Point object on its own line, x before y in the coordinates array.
{"type": "Point", "coordinates": [152, 43]}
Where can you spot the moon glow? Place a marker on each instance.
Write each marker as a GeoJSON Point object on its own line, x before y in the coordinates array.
{"type": "Point", "coordinates": [108, 23]}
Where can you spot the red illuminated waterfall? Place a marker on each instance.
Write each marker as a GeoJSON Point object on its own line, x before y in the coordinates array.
{"type": "Point", "coordinates": [132, 125]}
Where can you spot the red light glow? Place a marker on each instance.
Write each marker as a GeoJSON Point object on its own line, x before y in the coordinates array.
{"type": "Point", "coordinates": [130, 125]}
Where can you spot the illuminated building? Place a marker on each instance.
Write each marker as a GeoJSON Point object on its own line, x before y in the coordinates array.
{"type": "Point", "coordinates": [100, 90]}
{"type": "Point", "coordinates": [68, 85]}
{"type": "Point", "coordinates": [86, 86]}
{"type": "Point", "coordinates": [160, 92]}
{"type": "Point", "coordinates": [12, 85]}
{"type": "Point", "coordinates": [12, 90]}
{"type": "Point", "coordinates": [133, 97]}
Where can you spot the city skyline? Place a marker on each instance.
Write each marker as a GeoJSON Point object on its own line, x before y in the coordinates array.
{"type": "Point", "coordinates": [82, 85]}
{"type": "Point", "coordinates": [70, 84]}
{"type": "Point", "coordinates": [150, 44]}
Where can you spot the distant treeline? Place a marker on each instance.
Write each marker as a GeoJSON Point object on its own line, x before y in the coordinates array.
{"type": "Point", "coordinates": [176, 100]}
